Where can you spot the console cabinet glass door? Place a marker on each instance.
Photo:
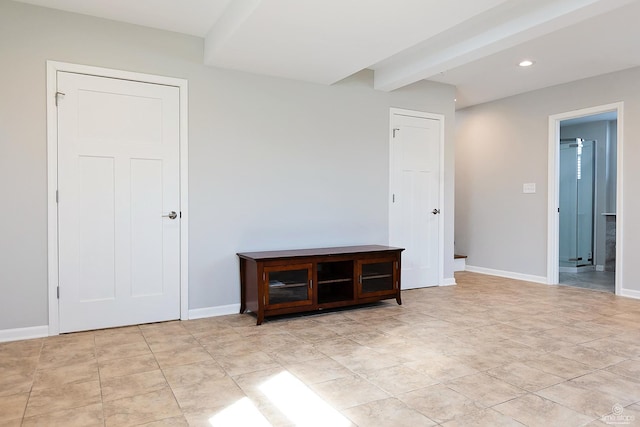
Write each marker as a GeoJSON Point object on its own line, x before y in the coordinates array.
{"type": "Point", "coordinates": [288, 286]}
{"type": "Point", "coordinates": [377, 277]}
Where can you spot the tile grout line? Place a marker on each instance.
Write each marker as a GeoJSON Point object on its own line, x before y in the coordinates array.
{"type": "Point", "coordinates": [95, 352]}
{"type": "Point", "coordinates": [163, 374]}
{"type": "Point", "coordinates": [33, 379]}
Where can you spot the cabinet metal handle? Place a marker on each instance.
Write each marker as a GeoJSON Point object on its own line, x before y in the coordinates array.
{"type": "Point", "coordinates": [311, 283]}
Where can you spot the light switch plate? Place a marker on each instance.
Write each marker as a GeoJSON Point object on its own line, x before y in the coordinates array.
{"type": "Point", "coordinates": [529, 188]}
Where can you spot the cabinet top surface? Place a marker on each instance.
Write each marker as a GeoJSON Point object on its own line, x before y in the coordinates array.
{"type": "Point", "coordinates": [341, 250]}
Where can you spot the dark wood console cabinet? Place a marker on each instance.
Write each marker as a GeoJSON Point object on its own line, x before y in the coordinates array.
{"type": "Point", "coordinates": [282, 282]}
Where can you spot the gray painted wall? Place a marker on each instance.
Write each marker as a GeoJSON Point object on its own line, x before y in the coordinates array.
{"type": "Point", "coordinates": [611, 173]}
{"type": "Point", "coordinates": [503, 144]}
{"type": "Point", "coordinates": [273, 163]}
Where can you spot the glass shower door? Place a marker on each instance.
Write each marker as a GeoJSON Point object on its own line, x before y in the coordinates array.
{"type": "Point", "coordinates": [577, 174]}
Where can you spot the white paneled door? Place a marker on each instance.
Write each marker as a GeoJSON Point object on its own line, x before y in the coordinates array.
{"type": "Point", "coordinates": [414, 214]}
{"type": "Point", "coordinates": [118, 190]}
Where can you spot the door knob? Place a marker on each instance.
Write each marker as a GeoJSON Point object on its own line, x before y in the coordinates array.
{"type": "Point", "coordinates": [435, 211]}
{"type": "Point", "coordinates": [171, 215]}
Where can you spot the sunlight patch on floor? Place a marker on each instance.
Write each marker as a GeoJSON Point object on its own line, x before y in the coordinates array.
{"type": "Point", "coordinates": [301, 405]}
{"type": "Point", "coordinates": [241, 413]}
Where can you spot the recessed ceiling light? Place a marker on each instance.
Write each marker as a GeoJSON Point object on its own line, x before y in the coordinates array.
{"type": "Point", "coordinates": [526, 63]}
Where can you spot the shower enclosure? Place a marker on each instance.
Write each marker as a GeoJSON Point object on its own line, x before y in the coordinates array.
{"type": "Point", "coordinates": [577, 186]}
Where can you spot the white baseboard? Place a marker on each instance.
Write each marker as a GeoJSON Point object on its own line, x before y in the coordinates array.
{"type": "Point", "coordinates": [630, 293]}
{"type": "Point", "coordinates": [24, 333]}
{"type": "Point", "coordinates": [221, 310]}
{"type": "Point", "coordinates": [451, 281]}
{"type": "Point", "coordinates": [459, 264]}
{"type": "Point", "coordinates": [580, 269]}
{"type": "Point", "coordinates": [507, 274]}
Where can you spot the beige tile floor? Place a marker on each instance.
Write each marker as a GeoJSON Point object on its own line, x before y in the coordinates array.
{"type": "Point", "coordinates": [488, 352]}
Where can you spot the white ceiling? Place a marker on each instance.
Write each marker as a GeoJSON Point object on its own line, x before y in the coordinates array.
{"type": "Point", "coordinates": [472, 44]}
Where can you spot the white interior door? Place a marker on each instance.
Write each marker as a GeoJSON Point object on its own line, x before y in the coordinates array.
{"type": "Point", "coordinates": [414, 214]}
{"type": "Point", "coordinates": [118, 180]}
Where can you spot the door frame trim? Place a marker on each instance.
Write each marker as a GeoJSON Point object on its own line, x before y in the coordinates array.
{"type": "Point", "coordinates": [441, 119]}
{"type": "Point", "coordinates": [52, 176]}
{"type": "Point", "coordinates": [553, 181]}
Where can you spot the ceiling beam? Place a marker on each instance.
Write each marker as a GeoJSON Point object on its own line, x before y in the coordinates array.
{"type": "Point", "coordinates": [236, 13]}
{"type": "Point", "coordinates": [495, 30]}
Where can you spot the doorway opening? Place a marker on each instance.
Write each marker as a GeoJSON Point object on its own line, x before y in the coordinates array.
{"type": "Point", "coordinates": [584, 197]}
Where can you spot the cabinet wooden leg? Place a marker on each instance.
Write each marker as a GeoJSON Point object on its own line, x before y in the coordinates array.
{"type": "Point", "coordinates": [260, 319]}
{"type": "Point", "coordinates": [399, 299]}
{"type": "Point", "coordinates": [243, 286]}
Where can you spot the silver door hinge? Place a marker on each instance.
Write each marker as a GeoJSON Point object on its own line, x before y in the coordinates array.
{"type": "Point", "coordinates": [393, 198]}
{"type": "Point", "coordinates": [58, 292]}
{"type": "Point", "coordinates": [394, 131]}
{"type": "Point", "coordinates": [57, 196]}
{"type": "Point", "coordinates": [58, 95]}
